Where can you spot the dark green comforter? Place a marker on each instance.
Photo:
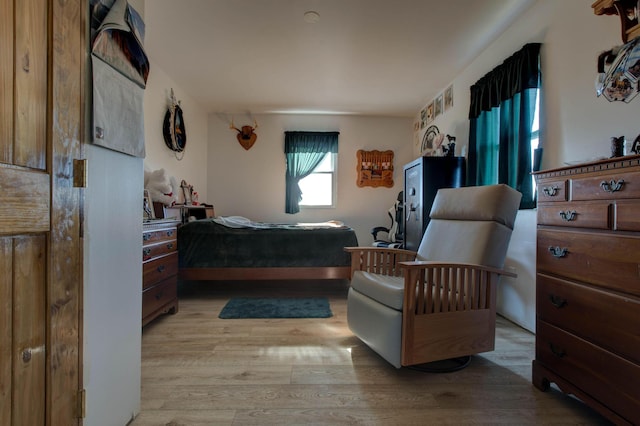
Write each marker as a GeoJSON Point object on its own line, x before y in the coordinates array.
{"type": "Point", "coordinates": [207, 244]}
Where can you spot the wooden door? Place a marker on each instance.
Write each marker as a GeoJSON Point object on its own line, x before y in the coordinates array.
{"type": "Point", "coordinates": [41, 88]}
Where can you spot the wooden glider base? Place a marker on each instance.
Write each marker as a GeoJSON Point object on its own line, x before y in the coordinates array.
{"type": "Point", "coordinates": [279, 273]}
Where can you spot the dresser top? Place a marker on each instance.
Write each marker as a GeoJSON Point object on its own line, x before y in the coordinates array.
{"type": "Point", "coordinates": [591, 167]}
{"type": "Point", "coordinates": [159, 223]}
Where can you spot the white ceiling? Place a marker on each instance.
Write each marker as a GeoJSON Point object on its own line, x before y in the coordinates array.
{"type": "Point", "coordinates": [367, 57]}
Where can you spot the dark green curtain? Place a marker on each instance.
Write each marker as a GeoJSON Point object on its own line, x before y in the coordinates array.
{"type": "Point", "coordinates": [501, 114]}
{"type": "Point", "coordinates": [303, 152]}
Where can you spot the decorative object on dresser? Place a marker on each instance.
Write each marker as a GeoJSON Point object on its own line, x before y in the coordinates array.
{"type": "Point", "coordinates": [147, 207]}
{"type": "Point", "coordinates": [635, 147]}
{"type": "Point", "coordinates": [160, 269]}
{"type": "Point", "coordinates": [422, 179]}
{"type": "Point", "coordinates": [588, 286]}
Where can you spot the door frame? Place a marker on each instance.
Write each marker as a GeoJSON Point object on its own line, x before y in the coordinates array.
{"type": "Point", "coordinates": [66, 131]}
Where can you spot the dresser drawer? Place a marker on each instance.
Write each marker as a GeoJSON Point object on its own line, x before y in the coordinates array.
{"type": "Point", "coordinates": [602, 317]}
{"type": "Point", "coordinates": [159, 235]}
{"type": "Point", "coordinates": [553, 190]}
{"type": "Point", "coordinates": [604, 376]}
{"type": "Point", "coordinates": [159, 269]}
{"type": "Point", "coordinates": [627, 216]}
{"type": "Point", "coordinates": [158, 249]}
{"type": "Point", "coordinates": [611, 186]}
{"type": "Point", "coordinates": [578, 215]}
{"type": "Point", "coordinates": [159, 295]}
{"type": "Point", "coordinates": [606, 260]}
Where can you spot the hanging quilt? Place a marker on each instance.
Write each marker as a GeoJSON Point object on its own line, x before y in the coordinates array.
{"type": "Point", "coordinates": [120, 69]}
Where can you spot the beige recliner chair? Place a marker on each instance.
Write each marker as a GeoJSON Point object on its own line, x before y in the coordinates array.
{"type": "Point", "coordinates": [439, 303]}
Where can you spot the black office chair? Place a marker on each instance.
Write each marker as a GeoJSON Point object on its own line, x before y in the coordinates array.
{"type": "Point", "coordinates": [395, 233]}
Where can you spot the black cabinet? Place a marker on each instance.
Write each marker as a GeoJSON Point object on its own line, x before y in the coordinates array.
{"type": "Point", "coordinates": [422, 179]}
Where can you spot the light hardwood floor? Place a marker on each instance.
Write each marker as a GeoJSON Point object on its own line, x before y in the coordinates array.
{"type": "Point", "coordinates": [198, 369]}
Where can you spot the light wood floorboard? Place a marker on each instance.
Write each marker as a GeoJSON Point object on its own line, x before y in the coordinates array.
{"type": "Point", "coordinates": [198, 369]}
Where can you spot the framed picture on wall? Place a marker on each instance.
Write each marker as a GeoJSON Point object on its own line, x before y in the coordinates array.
{"type": "Point", "coordinates": [430, 115]}
{"type": "Point", "coordinates": [437, 106]}
{"type": "Point", "coordinates": [448, 98]}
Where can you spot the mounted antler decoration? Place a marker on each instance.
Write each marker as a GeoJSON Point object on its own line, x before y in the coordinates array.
{"type": "Point", "coordinates": [246, 135]}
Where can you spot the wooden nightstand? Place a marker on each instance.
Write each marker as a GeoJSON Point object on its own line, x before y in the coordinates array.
{"type": "Point", "coordinates": [159, 269]}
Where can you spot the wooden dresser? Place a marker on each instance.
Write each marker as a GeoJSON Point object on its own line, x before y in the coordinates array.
{"type": "Point", "coordinates": [159, 269]}
{"type": "Point", "coordinates": [588, 285]}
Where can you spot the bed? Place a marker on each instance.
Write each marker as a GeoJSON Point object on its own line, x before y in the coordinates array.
{"type": "Point", "coordinates": [236, 248]}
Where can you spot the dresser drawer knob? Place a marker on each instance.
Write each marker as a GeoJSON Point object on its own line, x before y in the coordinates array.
{"type": "Point", "coordinates": [161, 268]}
{"type": "Point", "coordinates": [146, 237]}
{"type": "Point", "coordinates": [612, 186]}
{"type": "Point", "coordinates": [550, 191]}
{"type": "Point", "coordinates": [170, 246]}
{"type": "Point", "coordinates": [146, 251]}
{"type": "Point", "coordinates": [558, 251]}
{"type": "Point", "coordinates": [559, 352]}
{"type": "Point", "coordinates": [568, 215]}
{"type": "Point", "coordinates": [557, 301]}
{"type": "Point", "coordinates": [170, 233]}
{"type": "Point", "coordinates": [159, 296]}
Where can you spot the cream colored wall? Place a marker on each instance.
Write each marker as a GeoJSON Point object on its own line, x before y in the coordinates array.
{"type": "Point", "coordinates": [193, 166]}
{"type": "Point", "coordinates": [575, 124]}
{"type": "Point", "coordinates": [251, 183]}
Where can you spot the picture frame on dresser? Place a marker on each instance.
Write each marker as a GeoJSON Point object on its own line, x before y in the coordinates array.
{"type": "Point", "coordinates": [147, 207]}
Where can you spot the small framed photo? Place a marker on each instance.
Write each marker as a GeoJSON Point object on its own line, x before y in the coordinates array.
{"type": "Point", "coordinates": [448, 98]}
{"type": "Point", "coordinates": [430, 114]}
{"type": "Point", "coordinates": [147, 207]}
{"type": "Point", "coordinates": [438, 106]}
{"type": "Point", "coordinates": [423, 118]}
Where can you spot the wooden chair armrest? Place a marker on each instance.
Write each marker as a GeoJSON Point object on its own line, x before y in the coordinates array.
{"type": "Point", "coordinates": [379, 260]}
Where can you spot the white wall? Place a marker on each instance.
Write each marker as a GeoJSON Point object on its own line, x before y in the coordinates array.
{"type": "Point", "coordinates": [112, 310]}
{"type": "Point", "coordinates": [112, 286]}
{"type": "Point", "coordinates": [193, 165]}
{"type": "Point", "coordinates": [575, 124]}
{"type": "Point", "coordinates": [251, 183]}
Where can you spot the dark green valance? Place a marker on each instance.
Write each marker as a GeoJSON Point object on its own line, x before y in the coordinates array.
{"type": "Point", "coordinates": [311, 142]}
{"type": "Point", "coordinates": [517, 73]}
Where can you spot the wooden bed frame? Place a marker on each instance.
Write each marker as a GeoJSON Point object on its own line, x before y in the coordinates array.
{"type": "Point", "coordinates": [277, 273]}
{"type": "Point", "coordinates": [211, 251]}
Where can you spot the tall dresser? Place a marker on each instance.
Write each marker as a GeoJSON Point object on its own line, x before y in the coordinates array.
{"type": "Point", "coordinates": [588, 285]}
{"type": "Point", "coordinates": [159, 269]}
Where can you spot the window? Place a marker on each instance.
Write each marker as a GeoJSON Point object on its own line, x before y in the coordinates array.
{"type": "Point", "coordinates": [310, 154]}
{"type": "Point", "coordinates": [535, 142]}
{"type": "Point", "coordinates": [318, 188]}
{"type": "Point", "coordinates": [504, 129]}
